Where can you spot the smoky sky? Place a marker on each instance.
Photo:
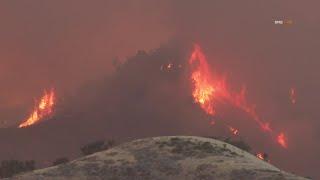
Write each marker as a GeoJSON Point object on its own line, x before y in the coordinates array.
{"type": "Point", "coordinates": [66, 44]}
{"type": "Point", "coordinates": [63, 44]}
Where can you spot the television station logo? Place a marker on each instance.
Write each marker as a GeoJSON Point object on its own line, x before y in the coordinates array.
{"type": "Point", "coordinates": [286, 22]}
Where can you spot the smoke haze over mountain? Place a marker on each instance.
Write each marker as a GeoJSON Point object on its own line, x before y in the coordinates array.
{"type": "Point", "coordinates": [72, 46]}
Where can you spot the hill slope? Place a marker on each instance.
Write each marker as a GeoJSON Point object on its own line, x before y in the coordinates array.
{"type": "Point", "coordinates": [170, 157]}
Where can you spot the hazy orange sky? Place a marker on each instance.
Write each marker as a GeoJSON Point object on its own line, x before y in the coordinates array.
{"type": "Point", "coordinates": [63, 44]}
{"type": "Point", "coordinates": [59, 43]}
{"type": "Point", "coordinates": [67, 43]}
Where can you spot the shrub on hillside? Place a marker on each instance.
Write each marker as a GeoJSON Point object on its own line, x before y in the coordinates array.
{"type": "Point", "coordinates": [97, 146]}
{"type": "Point", "coordinates": [59, 161]}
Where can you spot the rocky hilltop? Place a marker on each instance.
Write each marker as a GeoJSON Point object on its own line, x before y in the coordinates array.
{"type": "Point", "coordinates": [165, 158]}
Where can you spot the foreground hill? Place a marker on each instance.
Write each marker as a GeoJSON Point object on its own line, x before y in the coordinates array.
{"type": "Point", "coordinates": [171, 157]}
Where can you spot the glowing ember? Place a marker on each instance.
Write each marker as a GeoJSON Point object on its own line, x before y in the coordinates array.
{"type": "Point", "coordinates": [234, 131]}
{"type": "Point", "coordinates": [260, 156]}
{"type": "Point", "coordinates": [282, 140]}
{"type": "Point", "coordinates": [169, 67]}
{"type": "Point", "coordinates": [293, 96]}
{"type": "Point", "coordinates": [42, 110]}
{"type": "Point", "coordinates": [208, 91]}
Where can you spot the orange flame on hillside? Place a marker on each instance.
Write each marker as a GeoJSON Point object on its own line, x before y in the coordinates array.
{"type": "Point", "coordinates": [282, 140]}
{"type": "Point", "coordinates": [234, 131]}
{"type": "Point", "coordinates": [42, 110]}
{"type": "Point", "coordinates": [205, 90]}
{"type": "Point", "coordinates": [260, 156]}
{"type": "Point", "coordinates": [208, 91]}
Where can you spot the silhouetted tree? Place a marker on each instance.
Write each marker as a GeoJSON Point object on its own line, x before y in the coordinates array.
{"type": "Point", "coordinates": [265, 157]}
{"type": "Point", "coordinates": [97, 146]}
{"type": "Point", "coordinates": [62, 160]}
{"type": "Point", "coordinates": [238, 143]}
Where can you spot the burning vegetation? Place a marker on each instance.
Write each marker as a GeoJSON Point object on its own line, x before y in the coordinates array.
{"type": "Point", "coordinates": [154, 97]}
{"type": "Point", "coordinates": [234, 131]}
{"type": "Point", "coordinates": [43, 109]}
{"type": "Point", "coordinates": [263, 156]}
{"type": "Point", "coordinates": [204, 92]}
{"type": "Point", "coordinates": [260, 156]}
{"type": "Point", "coordinates": [282, 140]}
{"type": "Point", "coordinates": [208, 91]}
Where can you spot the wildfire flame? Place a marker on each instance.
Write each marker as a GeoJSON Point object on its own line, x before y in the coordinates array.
{"type": "Point", "coordinates": [43, 109]}
{"type": "Point", "coordinates": [260, 156]}
{"type": "Point", "coordinates": [208, 91]}
{"type": "Point", "coordinates": [234, 131]}
{"type": "Point", "coordinates": [282, 140]}
{"type": "Point", "coordinates": [204, 91]}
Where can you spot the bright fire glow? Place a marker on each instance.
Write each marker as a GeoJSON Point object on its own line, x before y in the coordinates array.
{"type": "Point", "coordinates": [204, 91]}
{"type": "Point", "coordinates": [42, 110]}
{"type": "Point", "coordinates": [282, 140]}
{"type": "Point", "coordinates": [208, 90]}
{"type": "Point", "coordinates": [260, 156]}
{"type": "Point", "coordinates": [234, 131]}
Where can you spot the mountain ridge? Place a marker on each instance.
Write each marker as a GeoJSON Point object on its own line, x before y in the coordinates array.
{"type": "Point", "coordinates": [165, 157]}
